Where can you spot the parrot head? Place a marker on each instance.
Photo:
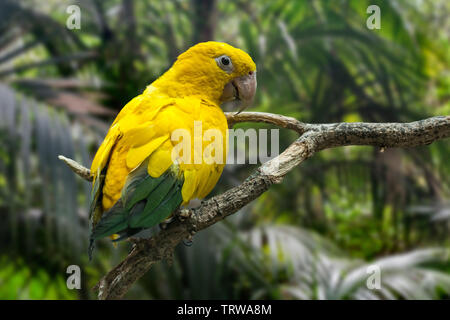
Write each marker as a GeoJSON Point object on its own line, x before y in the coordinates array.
{"type": "Point", "coordinates": [212, 70]}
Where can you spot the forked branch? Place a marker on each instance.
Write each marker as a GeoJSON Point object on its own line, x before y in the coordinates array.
{"type": "Point", "coordinates": [313, 138]}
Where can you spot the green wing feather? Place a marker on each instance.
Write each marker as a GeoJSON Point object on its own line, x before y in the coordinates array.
{"type": "Point", "coordinates": [144, 202]}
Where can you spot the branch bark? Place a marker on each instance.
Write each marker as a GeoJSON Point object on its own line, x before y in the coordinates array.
{"type": "Point", "coordinates": [313, 138]}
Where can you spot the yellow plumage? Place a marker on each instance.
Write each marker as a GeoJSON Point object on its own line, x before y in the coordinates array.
{"type": "Point", "coordinates": [188, 92]}
{"type": "Point", "coordinates": [137, 138]}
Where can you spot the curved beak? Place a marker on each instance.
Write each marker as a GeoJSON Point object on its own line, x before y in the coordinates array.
{"type": "Point", "coordinates": [242, 89]}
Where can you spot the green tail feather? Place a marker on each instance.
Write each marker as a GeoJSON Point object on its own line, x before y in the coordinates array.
{"type": "Point", "coordinates": [145, 202]}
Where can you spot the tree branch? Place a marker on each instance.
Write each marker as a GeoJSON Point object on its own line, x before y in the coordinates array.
{"type": "Point", "coordinates": [313, 138]}
{"type": "Point", "coordinates": [83, 172]}
{"type": "Point", "coordinates": [270, 118]}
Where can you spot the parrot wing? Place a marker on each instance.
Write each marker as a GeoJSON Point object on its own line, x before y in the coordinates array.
{"type": "Point", "coordinates": [152, 188]}
{"type": "Point", "coordinates": [124, 123]}
{"type": "Point", "coordinates": [146, 199]}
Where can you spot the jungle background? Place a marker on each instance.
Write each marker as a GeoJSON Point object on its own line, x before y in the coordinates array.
{"type": "Point", "coordinates": [316, 235]}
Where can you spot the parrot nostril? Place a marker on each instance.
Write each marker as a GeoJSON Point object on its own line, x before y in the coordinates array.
{"type": "Point", "coordinates": [250, 73]}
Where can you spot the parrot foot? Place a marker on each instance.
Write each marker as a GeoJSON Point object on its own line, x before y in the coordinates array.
{"type": "Point", "coordinates": [184, 214]}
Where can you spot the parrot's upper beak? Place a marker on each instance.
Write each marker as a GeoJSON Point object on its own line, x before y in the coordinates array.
{"type": "Point", "coordinates": [242, 89]}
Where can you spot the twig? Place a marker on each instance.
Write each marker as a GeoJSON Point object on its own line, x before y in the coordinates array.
{"type": "Point", "coordinates": [275, 119]}
{"type": "Point", "coordinates": [314, 137]}
{"type": "Point", "coordinates": [83, 172]}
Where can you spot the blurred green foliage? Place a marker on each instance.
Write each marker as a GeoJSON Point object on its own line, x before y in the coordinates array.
{"type": "Point", "coordinates": [316, 61]}
{"type": "Point", "coordinates": [18, 281]}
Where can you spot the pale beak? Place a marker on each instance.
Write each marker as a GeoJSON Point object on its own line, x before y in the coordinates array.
{"type": "Point", "coordinates": [242, 89]}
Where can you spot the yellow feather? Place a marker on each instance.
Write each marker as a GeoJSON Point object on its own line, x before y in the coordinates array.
{"type": "Point", "coordinates": [114, 237]}
{"type": "Point", "coordinates": [138, 154]}
{"type": "Point", "coordinates": [160, 160]}
{"type": "Point", "coordinates": [210, 182]}
{"type": "Point", "coordinates": [189, 186]}
{"type": "Point", "coordinates": [102, 155]}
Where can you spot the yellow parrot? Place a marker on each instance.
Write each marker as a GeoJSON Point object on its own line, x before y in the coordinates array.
{"type": "Point", "coordinates": [138, 178]}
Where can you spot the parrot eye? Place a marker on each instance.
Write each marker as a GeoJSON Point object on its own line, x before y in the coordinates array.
{"type": "Point", "coordinates": [224, 62]}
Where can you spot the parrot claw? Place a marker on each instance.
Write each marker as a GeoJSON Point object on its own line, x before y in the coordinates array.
{"type": "Point", "coordinates": [188, 241]}
{"type": "Point", "coordinates": [182, 215]}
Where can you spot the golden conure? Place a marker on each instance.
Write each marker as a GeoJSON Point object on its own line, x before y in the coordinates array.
{"type": "Point", "coordinates": [138, 182]}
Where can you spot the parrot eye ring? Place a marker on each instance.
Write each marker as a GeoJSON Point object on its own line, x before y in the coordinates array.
{"type": "Point", "coordinates": [224, 62]}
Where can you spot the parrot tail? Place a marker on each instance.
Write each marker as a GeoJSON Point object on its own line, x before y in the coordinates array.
{"type": "Point", "coordinates": [144, 203]}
